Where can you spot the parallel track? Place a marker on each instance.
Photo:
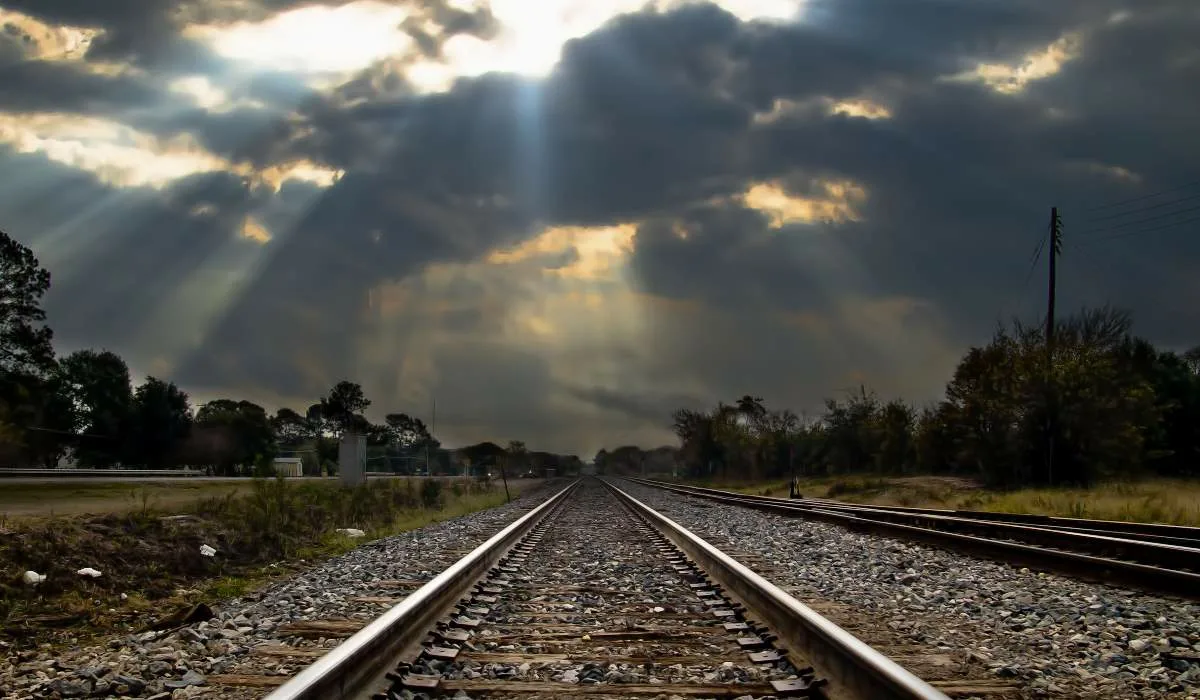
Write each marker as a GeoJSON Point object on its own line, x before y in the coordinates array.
{"type": "Point", "coordinates": [627, 601]}
{"type": "Point", "coordinates": [1128, 554]}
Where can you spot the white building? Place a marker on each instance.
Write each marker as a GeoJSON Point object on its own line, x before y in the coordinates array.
{"type": "Point", "coordinates": [288, 466]}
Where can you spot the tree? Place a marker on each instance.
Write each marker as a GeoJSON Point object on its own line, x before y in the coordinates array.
{"type": "Point", "coordinates": [342, 409]}
{"type": "Point", "coordinates": [36, 420]}
{"type": "Point", "coordinates": [24, 341]}
{"type": "Point", "coordinates": [406, 431]}
{"type": "Point", "coordinates": [897, 449]}
{"type": "Point", "coordinates": [601, 461]}
{"type": "Point", "coordinates": [250, 437]}
{"type": "Point", "coordinates": [97, 386]}
{"type": "Point", "coordinates": [41, 416]}
{"type": "Point", "coordinates": [515, 455]}
{"type": "Point", "coordinates": [291, 428]}
{"type": "Point", "coordinates": [160, 421]}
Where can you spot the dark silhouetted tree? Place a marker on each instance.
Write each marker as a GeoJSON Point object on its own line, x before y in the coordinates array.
{"type": "Point", "coordinates": [100, 393]}
{"type": "Point", "coordinates": [160, 421]}
{"type": "Point", "coordinates": [342, 409]}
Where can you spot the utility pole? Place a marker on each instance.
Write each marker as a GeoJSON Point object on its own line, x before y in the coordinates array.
{"type": "Point", "coordinates": [432, 432]}
{"type": "Point", "coordinates": [1055, 250]}
{"type": "Point", "coordinates": [1051, 404]}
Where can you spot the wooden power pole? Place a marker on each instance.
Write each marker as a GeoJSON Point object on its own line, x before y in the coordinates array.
{"type": "Point", "coordinates": [1051, 407]}
{"type": "Point", "coordinates": [1055, 250]}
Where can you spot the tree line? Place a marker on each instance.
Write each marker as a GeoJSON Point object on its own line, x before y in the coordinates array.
{"type": "Point", "coordinates": [84, 405]}
{"type": "Point", "coordinates": [1098, 403]}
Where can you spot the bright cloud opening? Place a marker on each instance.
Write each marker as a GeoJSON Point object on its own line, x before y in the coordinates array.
{"type": "Point", "coordinates": [314, 39]}
{"type": "Point", "coordinates": [205, 95]}
{"type": "Point", "coordinates": [44, 42]}
{"type": "Point", "coordinates": [861, 108]}
{"type": "Point", "coordinates": [834, 202]}
{"type": "Point", "coordinates": [252, 230]}
{"type": "Point", "coordinates": [1012, 79]}
{"type": "Point", "coordinates": [530, 41]}
{"type": "Point", "coordinates": [598, 252]}
{"type": "Point", "coordinates": [117, 154]}
{"type": "Point", "coordinates": [122, 156]}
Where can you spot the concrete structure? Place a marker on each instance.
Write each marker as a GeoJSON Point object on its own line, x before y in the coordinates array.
{"type": "Point", "coordinates": [289, 466]}
{"type": "Point", "coordinates": [352, 459]}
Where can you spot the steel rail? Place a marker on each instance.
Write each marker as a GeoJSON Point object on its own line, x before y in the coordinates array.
{"type": "Point", "coordinates": [1087, 566]}
{"type": "Point", "coordinates": [1159, 532]}
{"type": "Point", "coordinates": [1176, 554]}
{"type": "Point", "coordinates": [854, 669]}
{"type": "Point", "coordinates": [354, 667]}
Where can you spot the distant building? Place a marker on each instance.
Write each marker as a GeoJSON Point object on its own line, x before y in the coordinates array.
{"type": "Point", "coordinates": [288, 466]}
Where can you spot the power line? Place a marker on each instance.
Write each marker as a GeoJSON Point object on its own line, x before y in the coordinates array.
{"type": "Point", "coordinates": [1141, 221]}
{"type": "Point", "coordinates": [1037, 255]}
{"type": "Point", "coordinates": [1142, 209]}
{"type": "Point", "coordinates": [67, 432]}
{"type": "Point", "coordinates": [1126, 234]}
{"type": "Point", "coordinates": [1146, 196]}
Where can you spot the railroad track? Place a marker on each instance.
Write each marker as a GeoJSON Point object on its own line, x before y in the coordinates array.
{"type": "Point", "coordinates": [1146, 556]}
{"type": "Point", "coordinates": [593, 594]}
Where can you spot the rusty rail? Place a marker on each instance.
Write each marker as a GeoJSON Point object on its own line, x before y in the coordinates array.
{"type": "Point", "coordinates": [1139, 564]}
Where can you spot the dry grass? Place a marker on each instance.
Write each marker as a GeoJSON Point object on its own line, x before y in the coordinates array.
{"type": "Point", "coordinates": [1171, 501]}
{"type": "Point", "coordinates": [54, 499]}
{"type": "Point", "coordinates": [267, 532]}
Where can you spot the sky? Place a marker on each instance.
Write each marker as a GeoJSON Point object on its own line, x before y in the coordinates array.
{"type": "Point", "coordinates": [562, 220]}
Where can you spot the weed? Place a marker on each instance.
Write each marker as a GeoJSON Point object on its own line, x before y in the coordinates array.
{"type": "Point", "coordinates": [431, 494]}
{"type": "Point", "coordinates": [151, 558]}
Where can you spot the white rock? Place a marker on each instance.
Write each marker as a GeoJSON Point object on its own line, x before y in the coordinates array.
{"type": "Point", "coordinates": [351, 532]}
{"type": "Point", "coordinates": [33, 578]}
{"type": "Point", "coordinates": [206, 551]}
{"type": "Point", "coordinates": [89, 571]}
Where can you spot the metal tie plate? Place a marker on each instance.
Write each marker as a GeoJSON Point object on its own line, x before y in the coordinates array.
{"type": "Point", "coordinates": [769, 656]}
{"type": "Point", "coordinates": [417, 681]}
{"type": "Point", "coordinates": [797, 687]}
{"type": "Point", "coordinates": [440, 653]}
{"type": "Point", "coordinates": [454, 635]}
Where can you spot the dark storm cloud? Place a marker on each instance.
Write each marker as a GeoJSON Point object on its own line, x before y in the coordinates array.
{"type": "Point", "coordinates": [135, 244]}
{"type": "Point", "coordinates": [647, 408]}
{"type": "Point", "coordinates": [651, 117]}
{"type": "Point", "coordinates": [657, 118]}
{"type": "Point", "coordinates": [64, 87]}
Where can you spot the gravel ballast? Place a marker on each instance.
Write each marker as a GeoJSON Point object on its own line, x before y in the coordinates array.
{"type": "Point", "coordinates": [1060, 637]}
{"type": "Point", "coordinates": [177, 664]}
{"type": "Point", "coordinates": [597, 603]}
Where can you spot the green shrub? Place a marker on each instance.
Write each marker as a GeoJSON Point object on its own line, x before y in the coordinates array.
{"type": "Point", "coordinates": [431, 494]}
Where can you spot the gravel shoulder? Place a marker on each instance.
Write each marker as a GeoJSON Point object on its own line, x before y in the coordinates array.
{"type": "Point", "coordinates": [354, 586]}
{"type": "Point", "coordinates": [1059, 637]}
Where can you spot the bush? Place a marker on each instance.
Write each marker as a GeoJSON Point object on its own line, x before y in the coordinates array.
{"type": "Point", "coordinates": [431, 494]}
